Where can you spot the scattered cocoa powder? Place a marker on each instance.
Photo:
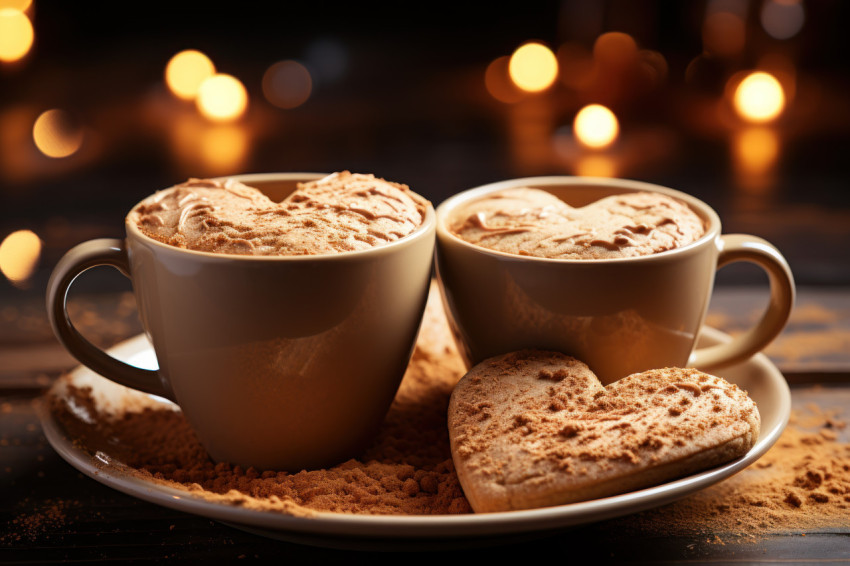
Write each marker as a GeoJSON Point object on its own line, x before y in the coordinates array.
{"type": "Point", "coordinates": [47, 516]}
{"type": "Point", "coordinates": [802, 483]}
{"type": "Point", "coordinates": [408, 469]}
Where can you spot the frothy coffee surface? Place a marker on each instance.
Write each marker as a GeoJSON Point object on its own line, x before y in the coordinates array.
{"type": "Point", "coordinates": [339, 213]}
{"type": "Point", "coordinates": [533, 222]}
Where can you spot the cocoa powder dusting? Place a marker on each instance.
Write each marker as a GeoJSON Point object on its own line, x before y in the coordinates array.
{"type": "Point", "coordinates": [47, 516]}
{"type": "Point", "coordinates": [802, 483]}
{"type": "Point", "coordinates": [407, 470]}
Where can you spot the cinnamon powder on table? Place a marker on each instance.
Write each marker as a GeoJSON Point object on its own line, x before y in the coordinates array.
{"type": "Point", "coordinates": [802, 483]}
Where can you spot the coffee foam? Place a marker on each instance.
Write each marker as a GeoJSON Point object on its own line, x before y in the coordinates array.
{"type": "Point", "coordinates": [339, 213]}
{"type": "Point", "coordinates": [533, 222]}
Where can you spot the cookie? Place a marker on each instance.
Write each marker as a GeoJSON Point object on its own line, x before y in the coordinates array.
{"type": "Point", "coordinates": [533, 429]}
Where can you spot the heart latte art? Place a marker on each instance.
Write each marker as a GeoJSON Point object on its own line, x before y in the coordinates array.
{"type": "Point", "coordinates": [532, 222]}
{"type": "Point", "coordinates": [339, 213]}
{"type": "Point", "coordinates": [533, 429]}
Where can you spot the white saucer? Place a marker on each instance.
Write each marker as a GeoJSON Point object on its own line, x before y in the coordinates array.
{"type": "Point", "coordinates": [758, 376]}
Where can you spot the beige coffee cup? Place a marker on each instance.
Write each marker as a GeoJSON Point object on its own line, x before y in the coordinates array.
{"type": "Point", "coordinates": [278, 362]}
{"type": "Point", "coordinates": [620, 316]}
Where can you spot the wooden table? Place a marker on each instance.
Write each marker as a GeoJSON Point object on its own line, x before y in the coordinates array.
{"type": "Point", "coordinates": [49, 512]}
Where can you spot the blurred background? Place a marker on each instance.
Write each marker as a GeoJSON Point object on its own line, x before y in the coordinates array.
{"type": "Point", "coordinates": [742, 103]}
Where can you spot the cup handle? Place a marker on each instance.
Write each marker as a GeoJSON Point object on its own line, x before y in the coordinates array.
{"type": "Point", "coordinates": [743, 247]}
{"type": "Point", "coordinates": [105, 251]}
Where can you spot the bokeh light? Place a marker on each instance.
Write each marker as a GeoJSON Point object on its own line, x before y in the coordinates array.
{"type": "Point", "coordinates": [19, 253]}
{"type": "Point", "coordinates": [653, 67]}
{"type": "Point", "coordinates": [723, 34]}
{"type": "Point", "coordinates": [287, 84]}
{"type": "Point", "coordinates": [596, 126]}
{"type": "Point", "coordinates": [222, 98]}
{"type": "Point", "coordinates": [575, 65]}
{"type": "Point", "coordinates": [209, 149]}
{"type": "Point", "coordinates": [783, 19]}
{"type": "Point", "coordinates": [756, 149]}
{"type": "Point", "coordinates": [16, 151]}
{"type": "Point", "coordinates": [327, 58]}
{"type": "Point", "coordinates": [499, 84]}
{"type": "Point", "coordinates": [596, 165]}
{"type": "Point", "coordinates": [20, 5]}
{"type": "Point", "coordinates": [784, 69]}
{"type": "Point", "coordinates": [185, 72]}
{"type": "Point", "coordinates": [614, 49]}
{"type": "Point", "coordinates": [759, 97]}
{"type": "Point", "coordinates": [755, 153]}
{"type": "Point", "coordinates": [16, 34]}
{"type": "Point", "coordinates": [223, 147]}
{"type": "Point", "coordinates": [533, 67]}
{"type": "Point", "coordinates": [57, 133]}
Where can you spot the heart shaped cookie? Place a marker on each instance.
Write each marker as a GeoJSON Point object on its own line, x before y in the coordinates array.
{"type": "Point", "coordinates": [339, 213]}
{"type": "Point", "coordinates": [533, 429]}
{"type": "Point", "coordinates": [532, 222]}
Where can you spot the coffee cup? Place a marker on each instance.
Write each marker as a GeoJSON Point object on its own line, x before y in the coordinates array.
{"type": "Point", "coordinates": [620, 316]}
{"type": "Point", "coordinates": [277, 362]}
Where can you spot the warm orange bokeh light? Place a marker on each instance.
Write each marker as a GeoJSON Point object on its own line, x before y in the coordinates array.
{"type": "Point", "coordinates": [20, 5]}
{"type": "Point", "coordinates": [186, 71]}
{"type": "Point", "coordinates": [596, 126]}
{"type": "Point", "coordinates": [755, 153]}
{"type": "Point", "coordinates": [208, 149]}
{"type": "Point", "coordinates": [759, 97]}
{"type": "Point", "coordinates": [596, 165]}
{"type": "Point", "coordinates": [222, 98]}
{"type": "Point", "coordinates": [16, 34]}
{"type": "Point", "coordinates": [723, 34]}
{"type": "Point", "coordinates": [56, 133]}
{"type": "Point", "coordinates": [287, 84]}
{"type": "Point", "coordinates": [223, 147]}
{"type": "Point", "coordinates": [756, 149]}
{"type": "Point", "coordinates": [615, 49]}
{"type": "Point", "coordinates": [575, 65]}
{"type": "Point", "coordinates": [19, 255]}
{"type": "Point", "coordinates": [653, 67]}
{"type": "Point", "coordinates": [498, 82]}
{"type": "Point", "coordinates": [533, 67]}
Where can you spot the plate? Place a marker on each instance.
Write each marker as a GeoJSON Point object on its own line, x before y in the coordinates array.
{"type": "Point", "coordinates": [758, 376]}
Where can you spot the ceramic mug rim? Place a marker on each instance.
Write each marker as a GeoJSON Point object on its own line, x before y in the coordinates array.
{"type": "Point", "coordinates": [421, 231]}
{"type": "Point", "coordinates": [448, 206]}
